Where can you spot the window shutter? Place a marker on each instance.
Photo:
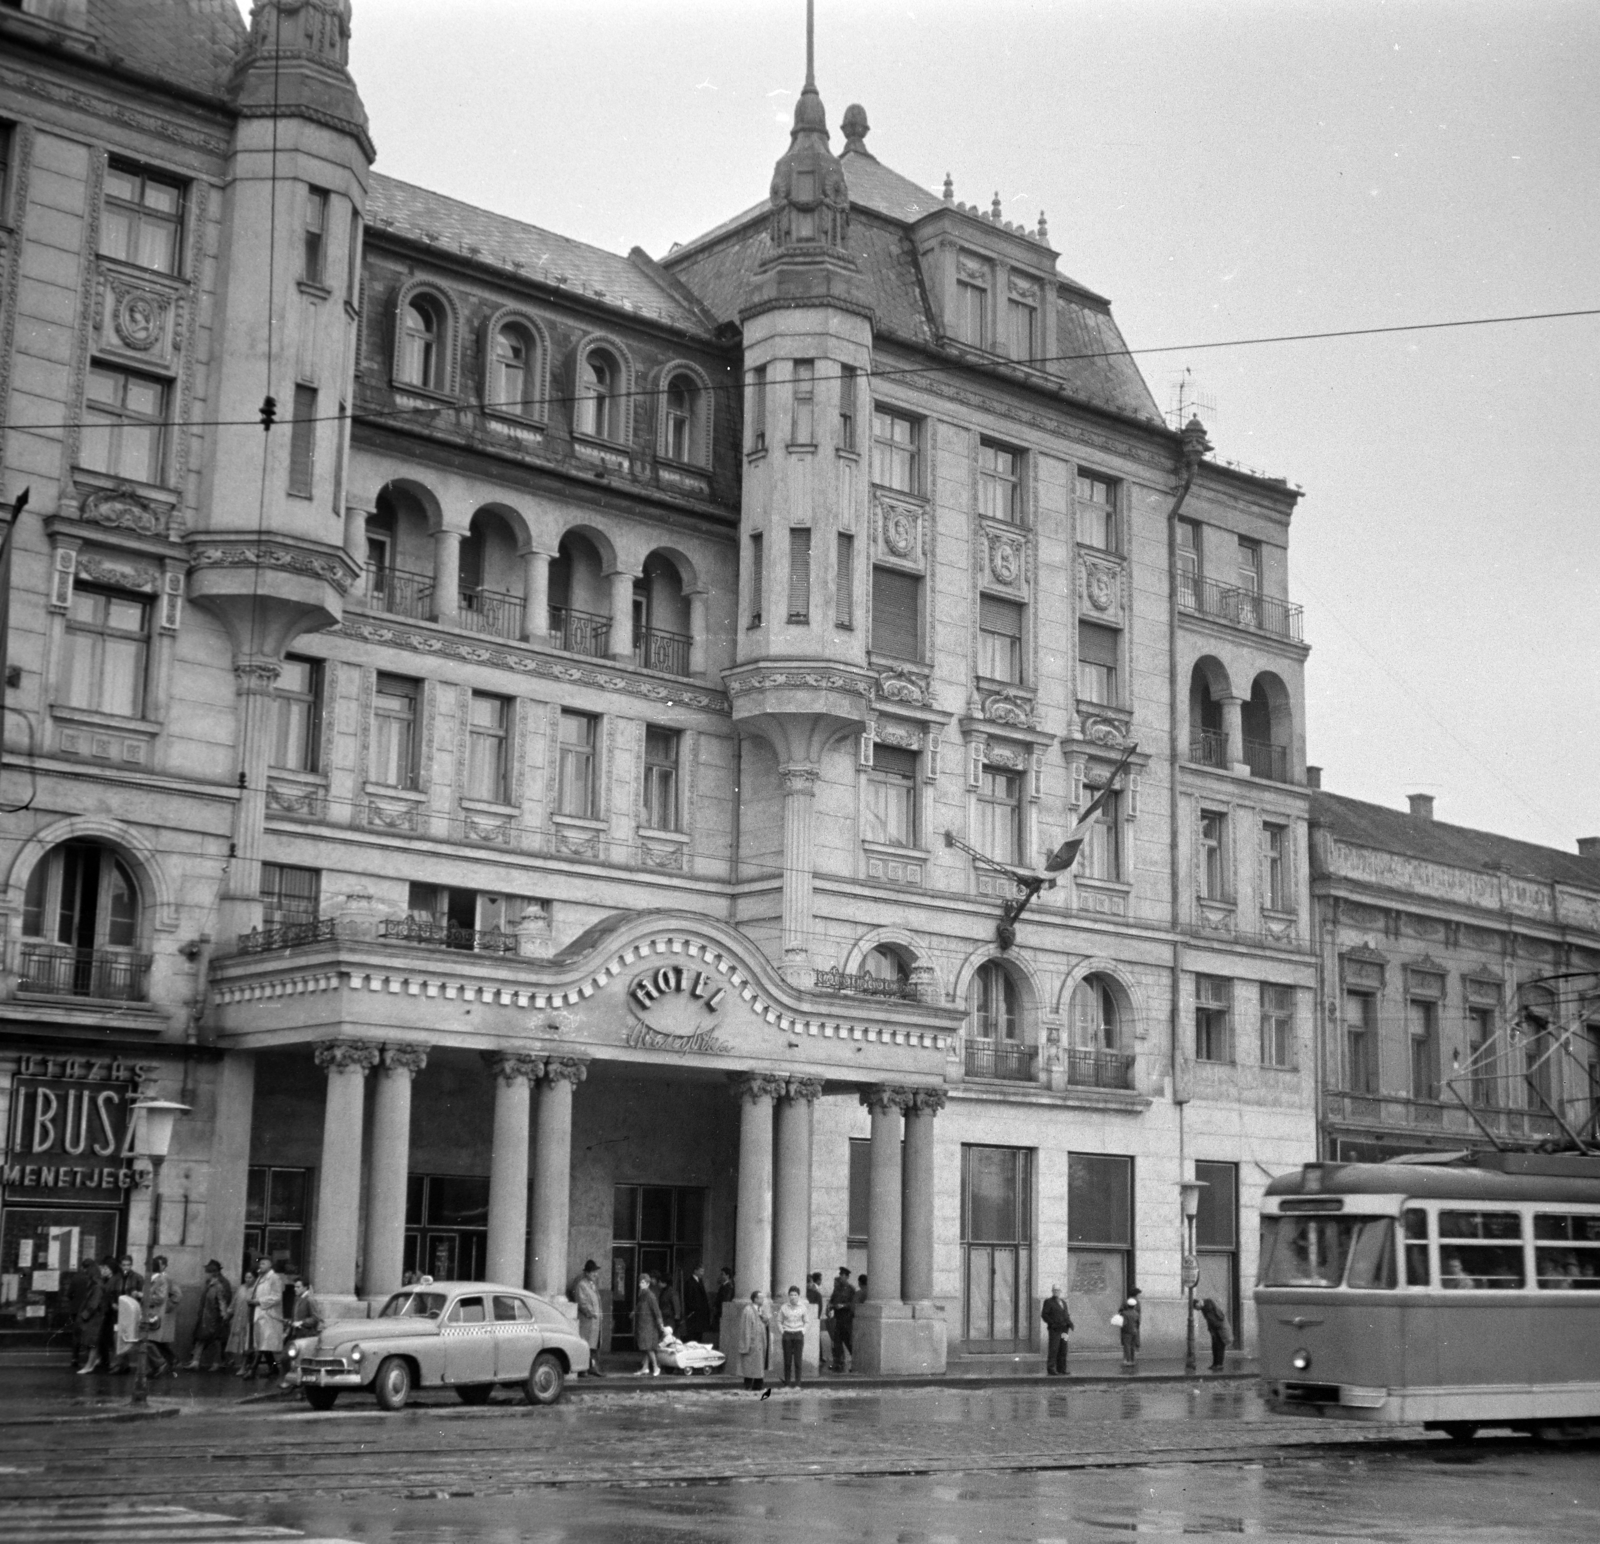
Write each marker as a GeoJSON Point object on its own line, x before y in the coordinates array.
{"type": "Point", "coordinates": [1098, 645]}
{"type": "Point", "coordinates": [1000, 616]}
{"type": "Point", "coordinates": [800, 574]}
{"type": "Point", "coordinates": [896, 602]}
{"type": "Point", "coordinates": [844, 582]}
{"type": "Point", "coordinates": [302, 440]}
{"type": "Point", "coordinates": [892, 758]}
{"type": "Point", "coordinates": [757, 579]}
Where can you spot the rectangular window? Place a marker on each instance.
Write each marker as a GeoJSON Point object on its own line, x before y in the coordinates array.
{"type": "Point", "coordinates": [1000, 815]}
{"type": "Point", "coordinates": [847, 407]}
{"type": "Point", "coordinates": [1098, 648]}
{"type": "Point", "coordinates": [1274, 869]}
{"type": "Point", "coordinates": [1249, 566]}
{"type": "Point", "coordinates": [999, 482]}
{"type": "Point", "coordinates": [1277, 1025]}
{"type": "Point", "coordinates": [758, 578]}
{"type": "Point", "coordinates": [289, 896]}
{"type": "Point", "coordinates": [297, 709]}
{"type": "Point", "coordinates": [860, 1191]}
{"type": "Point", "coordinates": [1360, 1048]}
{"type": "Point", "coordinates": [575, 793]}
{"type": "Point", "coordinates": [277, 1205]}
{"type": "Point", "coordinates": [395, 705]}
{"type": "Point", "coordinates": [1482, 1062]}
{"type": "Point", "coordinates": [999, 639]}
{"type": "Point", "coordinates": [314, 262]}
{"type": "Point", "coordinates": [803, 425]}
{"type": "Point", "coordinates": [1102, 846]}
{"type": "Point", "coordinates": [1100, 1226]}
{"type": "Point", "coordinates": [1481, 1251]}
{"type": "Point", "coordinates": [124, 429]}
{"type": "Point", "coordinates": [1567, 1251]}
{"type": "Point", "coordinates": [896, 614]}
{"type": "Point", "coordinates": [844, 581]}
{"type": "Point", "coordinates": [107, 643]}
{"type": "Point", "coordinates": [1213, 875]}
{"type": "Point", "coordinates": [758, 408]}
{"type": "Point", "coordinates": [1189, 564]}
{"type": "Point", "coordinates": [972, 313]}
{"type": "Point", "coordinates": [800, 574]}
{"type": "Point", "coordinates": [487, 762]}
{"type": "Point", "coordinates": [1422, 1020]}
{"type": "Point", "coordinates": [303, 441]}
{"type": "Point", "coordinates": [143, 218]}
{"type": "Point", "coordinates": [352, 262]}
{"type": "Point", "coordinates": [1216, 1239]}
{"type": "Point", "coordinates": [896, 449]}
{"type": "Point", "coordinates": [1023, 318]}
{"type": "Point", "coordinates": [1096, 500]}
{"type": "Point", "coordinates": [661, 779]}
{"type": "Point", "coordinates": [890, 812]}
{"type": "Point", "coordinates": [1213, 1014]}
{"type": "Point", "coordinates": [997, 1246]}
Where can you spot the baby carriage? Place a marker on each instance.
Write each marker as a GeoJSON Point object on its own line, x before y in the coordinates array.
{"type": "Point", "coordinates": [688, 1356]}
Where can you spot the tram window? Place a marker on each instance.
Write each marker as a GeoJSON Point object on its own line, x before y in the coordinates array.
{"type": "Point", "coordinates": [1480, 1266]}
{"type": "Point", "coordinates": [1309, 1252]}
{"type": "Point", "coordinates": [1372, 1256]}
{"type": "Point", "coordinates": [1416, 1231]}
{"type": "Point", "coordinates": [1567, 1258]}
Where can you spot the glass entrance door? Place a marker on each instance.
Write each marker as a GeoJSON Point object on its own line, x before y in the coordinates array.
{"type": "Point", "coordinates": [997, 1247]}
{"type": "Point", "coordinates": [447, 1227]}
{"type": "Point", "coordinates": [658, 1230]}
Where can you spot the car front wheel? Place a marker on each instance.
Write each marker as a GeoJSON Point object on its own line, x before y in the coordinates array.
{"type": "Point", "coordinates": [321, 1399]}
{"type": "Point", "coordinates": [546, 1379]}
{"type": "Point", "coordinates": [392, 1386]}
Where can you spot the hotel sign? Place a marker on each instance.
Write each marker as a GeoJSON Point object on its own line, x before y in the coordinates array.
{"type": "Point", "coordinates": [677, 1000]}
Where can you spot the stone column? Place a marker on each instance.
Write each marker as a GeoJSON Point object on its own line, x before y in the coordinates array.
{"type": "Point", "coordinates": [388, 1167]}
{"type": "Point", "coordinates": [552, 1175]}
{"type": "Point", "coordinates": [799, 800]}
{"type": "Point", "coordinates": [230, 1161]}
{"type": "Point", "coordinates": [916, 1226]}
{"type": "Point", "coordinates": [514, 1074]}
{"type": "Point", "coordinates": [791, 1232]}
{"type": "Point", "coordinates": [621, 615]}
{"type": "Point", "coordinates": [536, 596]}
{"type": "Point", "coordinates": [752, 1259]}
{"type": "Point", "coordinates": [697, 633]}
{"type": "Point", "coordinates": [883, 1207]}
{"type": "Point", "coordinates": [355, 535]}
{"type": "Point", "coordinates": [1233, 732]}
{"type": "Point", "coordinates": [446, 575]}
{"type": "Point", "coordinates": [346, 1063]}
{"type": "Point", "coordinates": [255, 675]}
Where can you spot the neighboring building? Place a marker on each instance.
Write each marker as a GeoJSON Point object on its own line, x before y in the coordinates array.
{"type": "Point", "coordinates": [507, 800]}
{"type": "Point", "coordinates": [1459, 1001]}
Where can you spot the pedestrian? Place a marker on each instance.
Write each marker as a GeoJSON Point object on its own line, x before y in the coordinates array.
{"type": "Point", "coordinates": [647, 1327]}
{"type": "Point", "coordinates": [126, 1336]}
{"type": "Point", "coordinates": [216, 1311]}
{"type": "Point", "coordinates": [1128, 1328]}
{"type": "Point", "coordinates": [792, 1316]}
{"type": "Point", "coordinates": [841, 1318]}
{"type": "Point", "coordinates": [239, 1324]}
{"type": "Point", "coordinates": [93, 1306]}
{"type": "Point", "coordinates": [696, 1305]}
{"type": "Point", "coordinates": [667, 1300]}
{"type": "Point", "coordinates": [1217, 1324]}
{"type": "Point", "coordinates": [1058, 1322]}
{"type": "Point", "coordinates": [74, 1289]}
{"type": "Point", "coordinates": [266, 1321]}
{"type": "Point", "coordinates": [753, 1323]}
{"type": "Point", "coordinates": [111, 1274]}
{"type": "Point", "coordinates": [588, 1296]}
{"type": "Point", "coordinates": [161, 1297]}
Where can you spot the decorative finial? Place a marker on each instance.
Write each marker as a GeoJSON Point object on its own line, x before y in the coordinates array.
{"type": "Point", "coordinates": [995, 212]}
{"type": "Point", "coordinates": [949, 189]}
{"type": "Point", "coordinates": [811, 74]}
{"type": "Point", "coordinates": [856, 128]}
{"type": "Point", "coordinates": [1044, 229]}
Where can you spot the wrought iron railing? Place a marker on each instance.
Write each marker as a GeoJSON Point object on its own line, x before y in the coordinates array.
{"type": "Point", "coordinates": [1001, 1059]}
{"type": "Point", "coordinates": [1242, 607]}
{"type": "Point", "coordinates": [667, 652]}
{"type": "Point", "coordinates": [490, 611]}
{"type": "Point", "coordinates": [288, 935]}
{"type": "Point", "coordinates": [1439, 1114]}
{"type": "Point", "coordinates": [400, 592]}
{"type": "Point", "coordinates": [1268, 761]}
{"type": "Point", "coordinates": [1100, 1069]}
{"type": "Point", "coordinates": [55, 970]}
{"type": "Point", "coordinates": [863, 985]}
{"type": "Point", "coordinates": [579, 632]}
{"type": "Point", "coordinates": [434, 934]}
{"type": "Point", "coordinates": [1208, 747]}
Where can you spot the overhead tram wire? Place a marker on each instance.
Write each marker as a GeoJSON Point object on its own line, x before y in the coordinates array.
{"type": "Point", "coordinates": [944, 367]}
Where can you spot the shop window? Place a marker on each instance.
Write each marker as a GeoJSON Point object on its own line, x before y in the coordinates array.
{"type": "Point", "coordinates": [290, 897]}
{"type": "Point", "coordinates": [1216, 1239]}
{"type": "Point", "coordinates": [896, 451]}
{"type": "Point", "coordinates": [142, 221]}
{"type": "Point", "coordinates": [896, 614]}
{"type": "Point", "coordinates": [1100, 1231]}
{"type": "Point", "coordinates": [124, 425]}
{"type": "Point", "coordinates": [576, 784]}
{"type": "Point", "coordinates": [661, 747]}
{"type": "Point", "coordinates": [297, 712]}
{"type": "Point", "coordinates": [1213, 1019]}
{"type": "Point", "coordinates": [890, 806]}
{"type": "Point", "coordinates": [997, 1247]}
{"type": "Point", "coordinates": [396, 710]}
{"type": "Point", "coordinates": [106, 653]}
{"type": "Point", "coordinates": [276, 1213]}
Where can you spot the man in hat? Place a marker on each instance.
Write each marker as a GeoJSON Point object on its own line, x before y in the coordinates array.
{"type": "Point", "coordinates": [588, 1295]}
{"type": "Point", "coordinates": [842, 1311]}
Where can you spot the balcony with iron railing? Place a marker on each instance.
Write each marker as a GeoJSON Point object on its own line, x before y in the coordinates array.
{"type": "Point", "coordinates": [1099, 1069]}
{"type": "Point", "coordinates": [1208, 747]}
{"type": "Point", "coordinates": [287, 935]}
{"type": "Point", "coordinates": [861, 984]}
{"type": "Point", "coordinates": [1240, 607]}
{"type": "Point", "coordinates": [490, 611]}
{"type": "Point", "coordinates": [59, 970]}
{"type": "Point", "coordinates": [431, 933]}
{"type": "Point", "coordinates": [579, 632]}
{"type": "Point", "coordinates": [1002, 1059]}
{"type": "Point", "coordinates": [666, 652]}
{"type": "Point", "coordinates": [1395, 1112]}
{"type": "Point", "coordinates": [1267, 761]}
{"type": "Point", "coordinates": [400, 592]}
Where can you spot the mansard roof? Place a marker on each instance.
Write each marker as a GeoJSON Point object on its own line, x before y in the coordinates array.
{"type": "Point", "coordinates": [1434, 841]}
{"type": "Point", "coordinates": [192, 43]}
{"type": "Point", "coordinates": [528, 251]}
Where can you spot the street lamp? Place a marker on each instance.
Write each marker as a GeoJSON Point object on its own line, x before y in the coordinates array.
{"type": "Point", "coordinates": [1190, 1190]}
{"type": "Point", "coordinates": [153, 1136]}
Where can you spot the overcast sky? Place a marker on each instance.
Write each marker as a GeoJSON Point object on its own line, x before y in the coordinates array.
{"type": "Point", "coordinates": [1221, 171]}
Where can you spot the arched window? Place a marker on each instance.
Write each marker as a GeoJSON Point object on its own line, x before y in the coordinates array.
{"type": "Point", "coordinates": [889, 972]}
{"type": "Point", "coordinates": [515, 371]}
{"type": "Point", "coordinates": [80, 925]}
{"type": "Point", "coordinates": [599, 411]}
{"type": "Point", "coordinates": [421, 336]}
{"type": "Point", "coordinates": [680, 436]}
{"type": "Point", "coordinates": [994, 1004]}
{"type": "Point", "coordinates": [1096, 1023]}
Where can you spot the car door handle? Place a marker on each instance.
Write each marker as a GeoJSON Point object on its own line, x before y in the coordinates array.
{"type": "Point", "coordinates": [1300, 1322]}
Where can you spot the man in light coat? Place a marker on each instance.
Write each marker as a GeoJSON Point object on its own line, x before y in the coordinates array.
{"type": "Point", "coordinates": [588, 1294]}
{"type": "Point", "coordinates": [753, 1322]}
{"type": "Point", "coordinates": [161, 1298]}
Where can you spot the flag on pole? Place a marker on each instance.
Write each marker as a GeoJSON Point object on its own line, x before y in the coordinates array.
{"type": "Point", "coordinates": [1066, 854]}
{"type": "Point", "coordinates": [6, 545]}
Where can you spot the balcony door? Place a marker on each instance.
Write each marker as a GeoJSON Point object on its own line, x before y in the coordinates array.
{"type": "Point", "coordinates": [81, 910]}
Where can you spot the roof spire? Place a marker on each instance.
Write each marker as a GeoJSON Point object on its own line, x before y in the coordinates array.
{"type": "Point", "coordinates": [810, 202]}
{"type": "Point", "coordinates": [811, 73]}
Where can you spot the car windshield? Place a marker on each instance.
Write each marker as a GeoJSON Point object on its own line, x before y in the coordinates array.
{"type": "Point", "coordinates": [1314, 1251]}
{"type": "Point", "coordinates": [413, 1305]}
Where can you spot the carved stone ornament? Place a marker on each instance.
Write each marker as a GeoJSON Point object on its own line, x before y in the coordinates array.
{"type": "Point", "coordinates": [511, 1067]}
{"type": "Point", "coordinates": [902, 686]}
{"type": "Point", "coordinates": [755, 1086]}
{"type": "Point", "coordinates": [566, 1069]}
{"type": "Point", "coordinates": [578, 844]}
{"type": "Point", "coordinates": [119, 576]}
{"type": "Point", "coordinates": [899, 531]}
{"type": "Point", "coordinates": [807, 1089]}
{"type": "Point", "coordinates": [256, 675]}
{"type": "Point", "coordinates": [817, 680]}
{"type": "Point", "coordinates": [1013, 757]}
{"type": "Point", "coordinates": [927, 1101]}
{"type": "Point", "coordinates": [799, 779]}
{"type": "Point", "coordinates": [972, 270]}
{"type": "Point", "coordinates": [139, 316]}
{"type": "Point", "coordinates": [1005, 559]}
{"type": "Point", "coordinates": [1104, 731]}
{"type": "Point", "coordinates": [1008, 708]}
{"type": "Point", "coordinates": [286, 558]}
{"type": "Point", "coordinates": [882, 1098]}
{"type": "Point", "coordinates": [345, 1055]}
{"type": "Point", "coordinates": [295, 799]}
{"type": "Point", "coordinates": [899, 735]}
{"type": "Point", "coordinates": [388, 817]}
{"type": "Point", "coordinates": [124, 511]}
{"type": "Point", "coordinates": [661, 855]}
{"type": "Point", "coordinates": [1099, 584]}
{"type": "Point", "coordinates": [410, 1059]}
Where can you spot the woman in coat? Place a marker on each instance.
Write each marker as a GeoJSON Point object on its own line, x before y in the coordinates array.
{"type": "Point", "coordinates": [267, 1321]}
{"type": "Point", "coordinates": [753, 1341]}
{"type": "Point", "coordinates": [92, 1309]}
{"type": "Point", "coordinates": [647, 1325]}
{"type": "Point", "coordinates": [239, 1316]}
{"type": "Point", "coordinates": [1130, 1330]}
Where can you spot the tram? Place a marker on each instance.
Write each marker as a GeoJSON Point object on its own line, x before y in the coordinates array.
{"type": "Point", "coordinates": [1459, 1294]}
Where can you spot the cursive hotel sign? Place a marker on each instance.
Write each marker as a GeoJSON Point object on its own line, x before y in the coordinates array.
{"type": "Point", "coordinates": [677, 1000]}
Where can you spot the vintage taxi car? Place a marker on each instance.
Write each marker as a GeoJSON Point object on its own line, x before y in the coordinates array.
{"type": "Point", "coordinates": [465, 1335]}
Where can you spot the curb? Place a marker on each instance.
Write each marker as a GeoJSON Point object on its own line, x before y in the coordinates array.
{"type": "Point", "coordinates": [100, 1417]}
{"type": "Point", "coordinates": [628, 1383]}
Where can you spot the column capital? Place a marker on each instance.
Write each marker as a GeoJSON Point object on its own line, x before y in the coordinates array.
{"type": "Point", "coordinates": [515, 1066]}
{"type": "Point", "coordinates": [410, 1059]}
{"type": "Point", "coordinates": [256, 674]}
{"type": "Point", "coordinates": [807, 1089]}
{"type": "Point", "coordinates": [566, 1069]}
{"type": "Point", "coordinates": [798, 779]}
{"type": "Point", "coordinates": [925, 1101]}
{"type": "Point", "coordinates": [756, 1086]}
{"type": "Point", "coordinates": [883, 1097]}
{"type": "Point", "coordinates": [343, 1055]}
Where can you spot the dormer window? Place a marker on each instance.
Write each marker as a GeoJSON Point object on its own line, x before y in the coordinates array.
{"type": "Point", "coordinates": [421, 332]}
{"type": "Point", "coordinates": [971, 320]}
{"type": "Point", "coordinates": [679, 414]}
{"type": "Point", "coordinates": [598, 409]}
{"type": "Point", "coordinates": [1022, 316]}
{"type": "Point", "coordinates": [509, 391]}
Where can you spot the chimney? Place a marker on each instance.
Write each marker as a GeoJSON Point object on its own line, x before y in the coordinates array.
{"type": "Point", "coordinates": [1589, 846]}
{"type": "Point", "coordinates": [1313, 777]}
{"type": "Point", "coordinates": [1421, 805]}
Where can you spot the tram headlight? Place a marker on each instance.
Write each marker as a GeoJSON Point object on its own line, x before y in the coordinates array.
{"type": "Point", "coordinates": [1301, 1360]}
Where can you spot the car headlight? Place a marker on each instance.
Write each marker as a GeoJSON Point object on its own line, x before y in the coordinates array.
{"type": "Point", "coordinates": [294, 1350]}
{"type": "Point", "coordinates": [355, 1353]}
{"type": "Point", "coordinates": [1300, 1360]}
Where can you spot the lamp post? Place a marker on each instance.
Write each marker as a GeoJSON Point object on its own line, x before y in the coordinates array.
{"type": "Point", "coordinates": [1190, 1190]}
{"type": "Point", "coordinates": [152, 1139]}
